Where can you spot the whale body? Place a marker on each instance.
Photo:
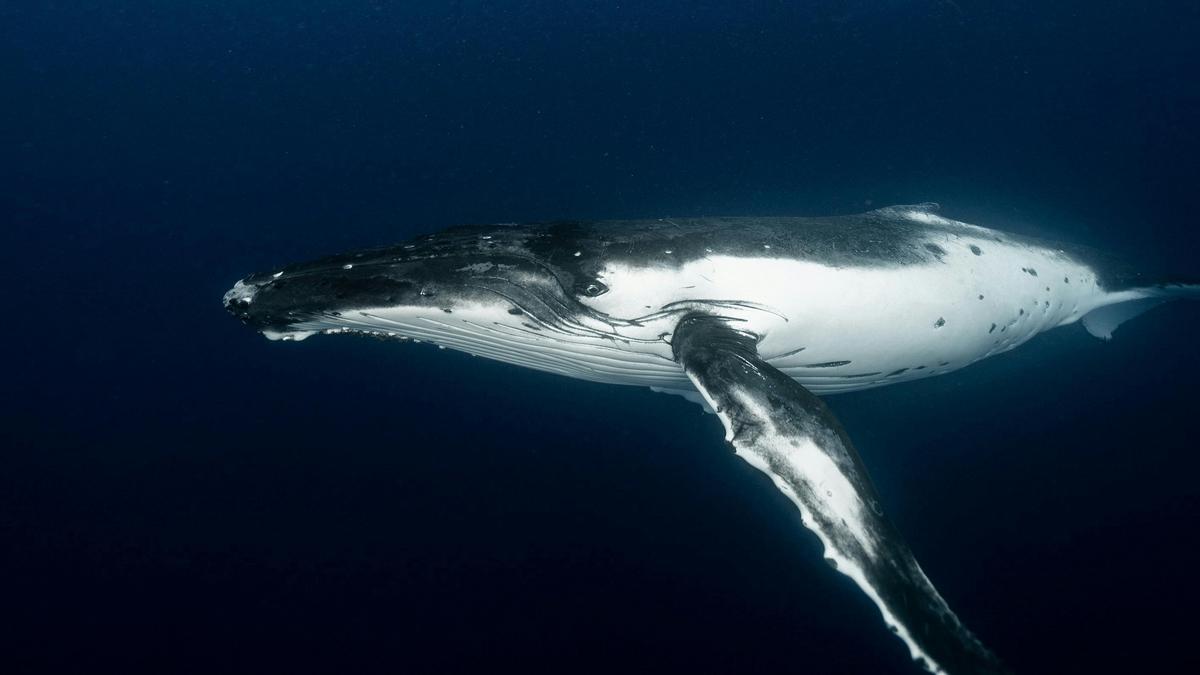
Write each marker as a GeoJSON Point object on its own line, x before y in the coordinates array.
{"type": "Point", "coordinates": [751, 317]}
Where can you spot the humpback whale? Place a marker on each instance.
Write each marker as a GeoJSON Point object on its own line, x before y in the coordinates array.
{"type": "Point", "coordinates": [755, 319]}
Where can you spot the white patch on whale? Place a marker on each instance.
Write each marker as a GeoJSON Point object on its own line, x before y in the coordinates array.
{"type": "Point", "coordinates": [845, 507]}
{"type": "Point", "coordinates": [881, 319]}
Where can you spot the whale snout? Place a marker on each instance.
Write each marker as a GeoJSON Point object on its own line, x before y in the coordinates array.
{"type": "Point", "coordinates": [351, 291]}
{"type": "Point", "coordinates": [238, 299]}
{"type": "Point", "coordinates": [292, 301]}
{"type": "Point", "coordinates": [409, 288]}
{"type": "Point", "coordinates": [240, 302]}
{"type": "Point", "coordinates": [267, 317]}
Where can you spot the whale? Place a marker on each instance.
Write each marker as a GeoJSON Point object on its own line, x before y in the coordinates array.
{"type": "Point", "coordinates": [754, 318]}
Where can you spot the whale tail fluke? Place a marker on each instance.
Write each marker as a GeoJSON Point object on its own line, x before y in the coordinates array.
{"type": "Point", "coordinates": [1102, 321]}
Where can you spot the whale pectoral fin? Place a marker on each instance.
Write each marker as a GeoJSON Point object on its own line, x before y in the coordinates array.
{"type": "Point", "coordinates": [690, 394]}
{"type": "Point", "coordinates": [786, 432]}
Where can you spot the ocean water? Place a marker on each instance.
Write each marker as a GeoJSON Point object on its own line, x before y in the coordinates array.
{"type": "Point", "coordinates": [179, 495]}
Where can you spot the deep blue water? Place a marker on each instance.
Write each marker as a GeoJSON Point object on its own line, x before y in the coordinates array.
{"type": "Point", "coordinates": [179, 495]}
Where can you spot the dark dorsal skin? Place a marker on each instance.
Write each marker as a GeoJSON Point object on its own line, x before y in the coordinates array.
{"type": "Point", "coordinates": [789, 434]}
{"type": "Point", "coordinates": [880, 238]}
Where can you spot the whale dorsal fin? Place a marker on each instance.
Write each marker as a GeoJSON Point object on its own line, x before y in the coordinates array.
{"type": "Point", "coordinates": [785, 431]}
{"type": "Point", "coordinates": [923, 207]}
{"type": "Point", "coordinates": [907, 211]}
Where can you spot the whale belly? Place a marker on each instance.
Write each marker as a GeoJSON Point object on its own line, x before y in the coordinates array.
{"type": "Point", "coordinates": [838, 327]}
{"type": "Point", "coordinates": [855, 328]}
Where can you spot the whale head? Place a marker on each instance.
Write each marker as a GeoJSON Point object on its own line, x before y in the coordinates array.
{"type": "Point", "coordinates": [445, 287]}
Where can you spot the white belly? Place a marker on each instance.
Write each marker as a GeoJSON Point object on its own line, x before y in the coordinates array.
{"type": "Point", "coordinates": [850, 328]}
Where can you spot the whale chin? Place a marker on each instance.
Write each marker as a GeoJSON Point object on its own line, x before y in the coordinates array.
{"type": "Point", "coordinates": [286, 335]}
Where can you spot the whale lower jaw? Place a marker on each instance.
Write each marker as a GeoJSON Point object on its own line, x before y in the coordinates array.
{"type": "Point", "coordinates": [486, 332]}
{"type": "Point", "coordinates": [288, 335]}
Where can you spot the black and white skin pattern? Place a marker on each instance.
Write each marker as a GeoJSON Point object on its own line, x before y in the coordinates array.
{"type": "Point", "coordinates": [753, 318]}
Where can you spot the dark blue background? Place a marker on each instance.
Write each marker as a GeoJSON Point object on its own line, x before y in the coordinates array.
{"type": "Point", "coordinates": [179, 495]}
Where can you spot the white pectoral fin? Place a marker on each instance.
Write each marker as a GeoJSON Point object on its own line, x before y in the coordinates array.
{"type": "Point", "coordinates": [782, 429]}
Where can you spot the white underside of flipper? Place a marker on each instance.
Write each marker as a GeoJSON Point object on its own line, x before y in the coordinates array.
{"type": "Point", "coordinates": [784, 431]}
{"type": "Point", "coordinates": [809, 460]}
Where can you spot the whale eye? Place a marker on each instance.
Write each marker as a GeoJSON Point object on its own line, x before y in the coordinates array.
{"type": "Point", "coordinates": [592, 288]}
